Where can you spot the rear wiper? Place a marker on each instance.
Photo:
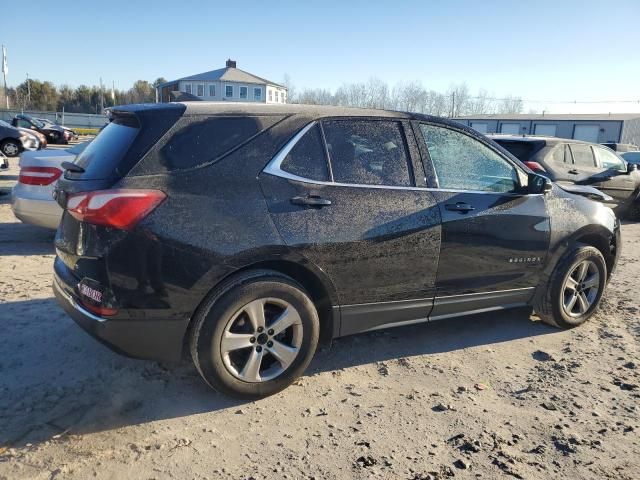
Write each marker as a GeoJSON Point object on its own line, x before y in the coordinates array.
{"type": "Point", "coordinates": [72, 167]}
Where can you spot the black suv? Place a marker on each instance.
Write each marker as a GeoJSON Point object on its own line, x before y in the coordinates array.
{"type": "Point", "coordinates": [581, 163]}
{"type": "Point", "coordinates": [247, 233]}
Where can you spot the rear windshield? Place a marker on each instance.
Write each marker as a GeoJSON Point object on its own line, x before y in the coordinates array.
{"type": "Point", "coordinates": [101, 157]}
{"type": "Point", "coordinates": [523, 151]}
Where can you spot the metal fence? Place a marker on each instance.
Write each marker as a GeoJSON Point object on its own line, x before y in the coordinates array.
{"type": "Point", "coordinates": [78, 120]}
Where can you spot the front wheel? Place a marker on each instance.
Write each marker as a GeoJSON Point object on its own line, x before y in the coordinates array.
{"type": "Point", "coordinates": [10, 148]}
{"type": "Point", "coordinates": [254, 335]}
{"type": "Point", "coordinates": [574, 289]}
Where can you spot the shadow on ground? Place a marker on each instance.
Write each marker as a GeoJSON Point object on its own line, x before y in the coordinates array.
{"type": "Point", "coordinates": [55, 379]}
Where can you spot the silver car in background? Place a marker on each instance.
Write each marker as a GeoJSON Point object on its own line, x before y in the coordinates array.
{"type": "Point", "coordinates": [32, 197]}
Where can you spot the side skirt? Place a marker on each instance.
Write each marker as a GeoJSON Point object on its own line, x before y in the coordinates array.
{"type": "Point", "coordinates": [374, 316]}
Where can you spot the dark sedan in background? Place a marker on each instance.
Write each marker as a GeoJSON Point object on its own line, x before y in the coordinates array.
{"type": "Point", "coordinates": [54, 133]}
{"type": "Point", "coordinates": [582, 163]}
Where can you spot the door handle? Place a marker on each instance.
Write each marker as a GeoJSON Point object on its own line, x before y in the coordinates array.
{"type": "Point", "coordinates": [573, 172]}
{"type": "Point", "coordinates": [459, 207]}
{"type": "Point", "coordinates": [311, 201]}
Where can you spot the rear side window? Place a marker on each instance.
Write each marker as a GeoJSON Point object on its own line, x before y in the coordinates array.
{"type": "Point", "coordinates": [307, 158]}
{"type": "Point", "coordinates": [583, 155]}
{"type": "Point", "coordinates": [367, 152]}
{"type": "Point", "coordinates": [105, 152]}
{"type": "Point", "coordinates": [199, 140]}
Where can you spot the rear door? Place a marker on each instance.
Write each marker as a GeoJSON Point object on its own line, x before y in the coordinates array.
{"type": "Point", "coordinates": [494, 238]}
{"type": "Point", "coordinates": [351, 206]}
{"type": "Point", "coordinates": [583, 166]}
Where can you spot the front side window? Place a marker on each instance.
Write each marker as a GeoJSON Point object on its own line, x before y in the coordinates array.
{"type": "Point", "coordinates": [307, 158]}
{"type": "Point", "coordinates": [257, 93]}
{"type": "Point", "coordinates": [582, 155]}
{"type": "Point", "coordinates": [228, 91]}
{"type": "Point", "coordinates": [200, 90]}
{"type": "Point", "coordinates": [212, 90]}
{"type": "Point", "coordinates": [464, 163]}
{"type": "Point", "coordinates": [610, 160]}
{"type": "Point", "coordinates": [367, 152]}
{"type": "Point", "coordinates": [270, 95]}
{"type": "Point", "coordinates": [243, 92]}
{"type": "Point", "coordinates": [187, 88]}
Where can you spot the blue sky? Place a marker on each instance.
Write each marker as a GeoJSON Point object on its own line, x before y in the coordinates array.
{"type": "Point", "coordinates": [544, 50]}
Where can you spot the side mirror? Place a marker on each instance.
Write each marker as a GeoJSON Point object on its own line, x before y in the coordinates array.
{"type": "Point", "coordinates": [539, 184]}
{"type": "Point", "coordinates": [631, 167]}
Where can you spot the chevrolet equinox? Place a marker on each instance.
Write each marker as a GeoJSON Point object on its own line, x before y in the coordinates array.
{"type": "Point", "coordinates": [247, 233]}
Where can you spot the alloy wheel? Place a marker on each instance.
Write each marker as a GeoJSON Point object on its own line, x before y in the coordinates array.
{"type": "Point", "coordinates": [10, 149]}
{"type": "Point", "coordinates": [261, 340]}
{"type": "Point", "coordinates": [581, 287]}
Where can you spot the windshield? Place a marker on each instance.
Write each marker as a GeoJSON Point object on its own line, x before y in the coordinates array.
{"type": "Point", "coordinates": [4, 124]}
{"type": "Point", "coordinates": [33, 121]}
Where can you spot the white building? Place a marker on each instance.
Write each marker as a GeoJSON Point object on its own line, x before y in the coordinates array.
{"type": "Point", "coordinates": [229, 84]}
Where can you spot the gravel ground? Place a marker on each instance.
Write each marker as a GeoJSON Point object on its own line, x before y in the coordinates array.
{"type": "Point", "coordinates": [492, 396]}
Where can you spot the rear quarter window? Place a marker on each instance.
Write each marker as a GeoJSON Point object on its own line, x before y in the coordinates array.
{"type": "Point", "coordinates": [199, 140]}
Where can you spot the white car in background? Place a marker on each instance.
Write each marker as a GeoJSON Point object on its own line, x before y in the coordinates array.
{"type": "Point", "coordinates": [32, 197]}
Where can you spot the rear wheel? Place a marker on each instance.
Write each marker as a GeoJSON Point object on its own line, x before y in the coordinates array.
{"type": "Point", "coordinates": [255, 335]}
{"type": "Point", "coordinates": [11, 148]}
{"type": "Point", "coordinates": [575, 288]}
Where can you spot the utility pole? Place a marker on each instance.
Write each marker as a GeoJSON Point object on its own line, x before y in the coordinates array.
{"type": "Point", "coordinates": [453, 104]}
{"type": "Point", "coordinates": [5, 70]}
{"type": "Point", "coordinates": [28, 91]}
{"type": "Point", "coordinates": [101, 96]}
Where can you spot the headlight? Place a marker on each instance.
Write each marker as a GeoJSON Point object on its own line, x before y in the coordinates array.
{"type": "Point", "coordinates": [29, 141]}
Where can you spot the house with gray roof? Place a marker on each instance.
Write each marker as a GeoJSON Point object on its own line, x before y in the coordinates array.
{"type": "Point", "coordinates": [595, 127]}
{"type": "Point", "coordinates": [229, 84]}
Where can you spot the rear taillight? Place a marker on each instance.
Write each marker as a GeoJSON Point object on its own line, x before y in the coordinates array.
{"type": "Point", "coordinates": [39, 175]}
{"type": "Point", "coordinates": [121, 209]}
{"type": "Point", "coordinates": [535, 166]}
{"type": "Point", "coordinates": [101, 311]}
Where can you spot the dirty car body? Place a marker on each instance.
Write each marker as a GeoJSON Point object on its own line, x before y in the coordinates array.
{"type": "Point", "coordinates": [246, 188]}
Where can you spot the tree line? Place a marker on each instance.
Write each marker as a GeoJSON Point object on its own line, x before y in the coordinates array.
{"type": "Point", "coordinates": [408, 97]}
{"type": "Point", "coordinates": [375, 93]}
{"type": "Point", "coordinates": [34, 94]}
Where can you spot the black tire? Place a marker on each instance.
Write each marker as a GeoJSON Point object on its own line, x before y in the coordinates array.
{"type": "Point", "coordinates": [549, 305]}
{"type": "Point", "coordinates": [10, 147]}
{"type": "Point", "coordinates": [222, 306]}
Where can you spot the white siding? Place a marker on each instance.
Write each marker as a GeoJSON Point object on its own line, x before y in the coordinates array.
{"type": "Point", "coordinates": [220, 88]}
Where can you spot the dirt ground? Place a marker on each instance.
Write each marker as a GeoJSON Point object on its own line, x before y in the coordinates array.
{"type": "Point", "coordinates": [492, 396]}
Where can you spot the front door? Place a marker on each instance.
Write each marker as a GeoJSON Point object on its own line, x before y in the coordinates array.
{"type": "Point", "coordinates": [359, 218]}
{"type": "Point", "coordinates": [494, 237]}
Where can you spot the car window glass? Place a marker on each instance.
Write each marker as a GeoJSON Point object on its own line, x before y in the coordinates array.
{"type": "Point", "coordinates": [609, 160]}
{"type": "Point", "coordinates": [307, 158]}
{"type": "Point", "coordinates": [199, 140]}
{"type": "Point", "coordinates": [367, 152]}
{"type": "Point", "coordinates": [582, 155]}
{"type": "Point", "coordinates": [463, 163]}
{"type": "Point", "coordinates": [557, 154]}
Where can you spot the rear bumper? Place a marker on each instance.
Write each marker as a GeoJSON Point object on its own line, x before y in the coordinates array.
{"type": "Point", "coordinates": [43, 213]}
{"type": "Point", "coordinates": [146, 338]}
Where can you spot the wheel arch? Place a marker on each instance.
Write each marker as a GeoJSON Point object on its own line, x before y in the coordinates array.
{"type": "Point", "coordinates": [314, 281]}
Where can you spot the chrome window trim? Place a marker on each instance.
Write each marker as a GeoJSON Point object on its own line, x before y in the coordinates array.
{"type": "Point", "coordinates": [274, 167]}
